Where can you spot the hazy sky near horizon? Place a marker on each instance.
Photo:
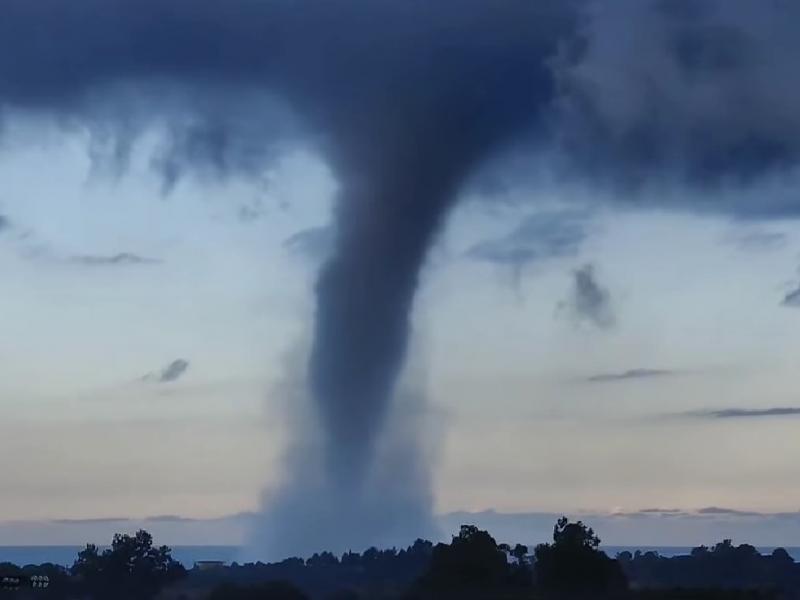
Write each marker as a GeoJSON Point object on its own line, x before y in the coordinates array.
{"type": "Point", "coordinates": [653, 381]}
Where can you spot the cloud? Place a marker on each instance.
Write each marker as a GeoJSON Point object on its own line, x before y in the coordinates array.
{"type": "Point", "coordinates": [37, 250]}
{"type": "Point", "coordinates": [119, 259]}
{"type": "Point", "coordinates": [716, 510]}
{"type": "Point", "coordinates": [314, 243]}
{"type": "Point", "coordinates": [248, 213]}
{"type": "Point", "coordinates": [650, 513]}
{"type": "Point", "coordinates": [792, 299]}
{"type": "Point", "coordinates": [708, 512]}
{"type": "Point", "coordinates": [744, 413]}
{"type": "Point", "coordinates": [713, 115]}
{"type": "Point", "coordinates": [629, 375]}
{"type": "Point", "coordinates": [757, 241]}
{"type": "Point", "coordinates": [589, 301]}
{"type": "Point", "coordinates": [661, 511]}
{"type": "Point", "coordinates": [171, 519]}
{"type": "Point", "coordinates": [34, 248]}
{"type": "Point", "coordinates": [541, 236]}
{"type": "Point", "coordinates": [172, 372]}
{"type": "Point", "coordinates": [707, 117]}
{"type": "Point", "coordinates": [152, 519]}
{"type": "Point", "coordinates": [89, 521]}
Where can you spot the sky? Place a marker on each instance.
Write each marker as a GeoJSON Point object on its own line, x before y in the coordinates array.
{"type": "Point", "coordinates": [348, 265]}
{"type": "Point", "coordinates": [538, 405]}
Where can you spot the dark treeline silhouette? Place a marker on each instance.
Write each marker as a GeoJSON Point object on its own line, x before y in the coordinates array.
{"type": "Point", "coordinates": [371, 574]}
{"type": "Point", "coordinates": [472, 566]}
{"type": "Point", "coordinates": [475, 566]}
{"type": "Point", "coordinates": [724, 566]}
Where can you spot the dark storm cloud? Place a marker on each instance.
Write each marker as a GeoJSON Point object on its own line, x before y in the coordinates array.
{"type": "Point", "coordinates": [406, 100]}
{"type": "Point", "coordinates": [538, 237]}
{"type": "Point", "coordinates": [314, 243]}
{"type": "Point", "coordinates": [631, 374]}
{"type": "Point", "coordinates": [170, 373]}
{"type": "Point", "coordinates": [646, 89]}
{"type": "Point", "coordinates": [747, 413]}
{"type": "Point", "coordinates": [120, 259]}
{"type": "Point", "coordinates": [212, 73]}
{"type": "Point", "coordinates": [702, 90]}
{"type": "Point", "coordinates": [589, 301]}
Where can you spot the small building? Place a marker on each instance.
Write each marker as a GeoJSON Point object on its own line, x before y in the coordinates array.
{"type": "Point", "coordinates": [209, 565]}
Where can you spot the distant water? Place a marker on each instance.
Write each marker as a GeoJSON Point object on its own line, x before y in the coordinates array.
{"type": "Point", "coordinates": [65, 555]}
{"type": "Point", "coordinates": [671, 551]}
{"type": "Point", "coordinates": [188, 555]}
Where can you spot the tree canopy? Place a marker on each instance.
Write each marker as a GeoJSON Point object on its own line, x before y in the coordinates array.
{"type": "Point", "coordinates": [574, 562]}
{"type": "Point", "coordinates": [132, 568]}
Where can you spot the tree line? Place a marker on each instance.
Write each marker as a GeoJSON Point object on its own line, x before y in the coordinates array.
{"type": "Point", "coordinates": [472, 565]}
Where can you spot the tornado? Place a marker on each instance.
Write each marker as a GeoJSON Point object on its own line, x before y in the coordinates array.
{"type": "Point", "coordinates": [432, 103]}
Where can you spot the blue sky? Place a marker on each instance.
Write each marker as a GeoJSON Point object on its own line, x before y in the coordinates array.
{"type": "Point", "coordinates": [536, 405]}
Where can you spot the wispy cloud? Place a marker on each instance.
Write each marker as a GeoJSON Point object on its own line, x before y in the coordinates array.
{"type": "Point", "coordinates": [172, 372]}
{"type": "Point", "coordinates": [708, 512]}
{"type": "Point", "coordinates": [539, 237]}
{"type": "Point", "coordinates": [651, 513]}
{"type": "Point", "coordinates": [630, 374]}
{"type": "Point", "coordinates": [745, 413]}
{"type": "Point", "coordinates": [716, 510]}
{"type": "Point", "coordinates": [758, 241]}
{"type": "Point", "coordinates": [240, 516]}
{"type": "Point", "coordinates": [34, 249]}
{"type": "Point", "coordinates": [792, 298]}
{"type": "Point", "coordinates": [119, 259]}
{"type": "Point", "coordinates": [251, 210]}
{"type": "Point", "coordinates": [171, 519]}
{"type": "Point", "coordinates": [314, 243]}
{"type": "Point", "coordinates": [90, 521]}
{"type": "Point", "coordinates": [589, 301]}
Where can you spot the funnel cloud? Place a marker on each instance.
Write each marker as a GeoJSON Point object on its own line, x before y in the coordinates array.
{"type": "Point", "coordinates": [407, 101]}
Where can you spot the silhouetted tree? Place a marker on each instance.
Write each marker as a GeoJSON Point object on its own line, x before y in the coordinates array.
{"type": "Point", "coordinates": [520, 552]}
{"type": "Point", "coordinates": [574, 563]}
{"type": "Point", "coordinates": [781, 558]}
{"type": "Point", "coordinates": [473, 560]}
{"type": "Point", "coordinates": [323, 559]}
{"type": "Point", "coordinates": [350, 559]}
{"type": "Point", "coordinates": [131, 568]}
